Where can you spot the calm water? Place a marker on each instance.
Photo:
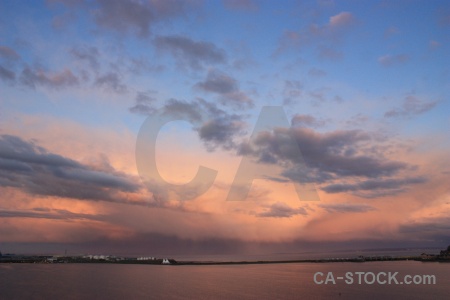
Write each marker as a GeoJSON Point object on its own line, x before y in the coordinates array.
{"type": "Point", "coordinates": [276, 281]}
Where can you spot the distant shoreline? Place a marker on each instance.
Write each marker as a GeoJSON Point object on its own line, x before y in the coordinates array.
{"type": "Point", "coordinates": [262, 262]}
{"type": "Point", "coordinates": [173, 262]}
{"type": "Point", "coordinates": [151, 260]}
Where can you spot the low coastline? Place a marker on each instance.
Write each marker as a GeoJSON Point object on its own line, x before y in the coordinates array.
{"type": "Point", "coordinates": [443, 256]}
{"type": "Point", "coordinates": [59, 260]}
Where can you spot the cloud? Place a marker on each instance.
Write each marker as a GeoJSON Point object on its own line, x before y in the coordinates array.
{"type": "Point", "coordinates": [7, 75]}
{"type": "Point", "coordinates": [215, 126]}
{"type": "Point", "coordinates": [8, 53]}
{"type": "Point", "coordinates": [37, 77]}
{"type": "Point", "coordinates": [89, 54]}
{"type": "Point", "coordinates": [50, 214]}
{"type": "Point", "coordinates": [226, 87]}
{"type": "Point", "coordinates": [244, 5]}
{"type": "Point", "coordinates": [194, 54]}
{"type": "Point", "coordinates": [282, 210]}
{"type": "Point", "coordinates": [124, 16]}
{"type": "Point", "coordinates": [325, 36]}
{"type": "Point", "coordinates": [411, 106]}
{"type": "Point", "coordinates": [144, 104]}
{"type": "Point", "coordinates": [378, 186]}
{"type": "Point", "coordinates": [137, 16]}
{"type": "Point", "coordinates": [390, 60]}
{"type": "Point", "coordinates": [330, 157]}
{"type": "Point", "coordinates": [218, 82]}
{"type": "Point", "coordinates": [341, 20]}
{"type": "Point", "coordinates": [219, 127]}
{"type": "Point", "coordinates": [183, 109]}
{"type": "Point", "coordinates": [435, 229]}
{"type": "Point", "coordinates": [306, 121]}
{"type": "Point", "coordinates": [111, 81]}
{"type": "Point", "coordinates": [31, 168]}
{"type": "Point", "coordinates": [220, 131]}
{"type": "Point", "coordinates": [346, 207]}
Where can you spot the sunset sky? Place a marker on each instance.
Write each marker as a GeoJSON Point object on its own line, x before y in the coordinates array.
{"type": "Point", "coordinates": [364, 86]}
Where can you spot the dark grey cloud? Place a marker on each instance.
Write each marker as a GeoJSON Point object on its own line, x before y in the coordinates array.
{"type": "Point", "coordinates": [346, 207]}
{"type": "Point", "coordinates": [220, 131]}
{"type": "Point", "coordinates": [219, 128]}
{"type": "Point", "coordinates": [306, 121]}
{"type": "Point", "coordinates": [184, 109]}
{"type": "Point", "coordinates": [88, 54]}
{"type": "Point", "coordinates": [431, 229]}
{"type": "Point", "coordinates": [34, 77]}
{"type": "Point", "coordinates": [390, 60]}
{"type": "Point", "coordinates": [124, 16]}
{"type": "Point", "coordinates": [303, 174]}
{"type": "Point", "coordinates": [144, 104]}
{"type": "Point", "coordinates": [333, 152]}
{"type": "Point", "coordinates": [8, 53]}
{"type": "Point", "coordinates": [50, 214]}
{"type": "Point", "coordinates": [218, 82]}
{"type": "Point", "coordinates": [377, 186]}
{"type": "Point", "coordinates": [7, 75]}
{"type": "Point", "coordinates": [26, 166]}
{"type": "Point", "coordinates": [215, 126]}
{"type": "Point", "coordinates": [111, 81]}
{"type": "Point", "coordinates": [282, 210]}
{"type": "Point", "coordinates": [190, 53]}
{"type": "Point", "coordinates": [327, 158]}
{"type": "Point", "coordinates": [226, 87]}
{"type": "Point", "coordinates": [411, 106]}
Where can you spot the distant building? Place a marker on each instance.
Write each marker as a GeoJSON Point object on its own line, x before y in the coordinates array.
{"type": "Point", "coordinates": [52, 259]}
{"type": "Point", "coordinates": [425, 256]}
{"type": "Point", "coordinates": [146, 258]}
{"type": "Point", "coordinates": [165, 261]}
{"type": "Point", "coordinates": [445, 254]}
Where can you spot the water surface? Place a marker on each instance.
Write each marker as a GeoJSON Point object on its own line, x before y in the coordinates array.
{"type": "Point", "coordinates": [274, 281]}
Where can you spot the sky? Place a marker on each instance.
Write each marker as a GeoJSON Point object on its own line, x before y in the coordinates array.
{"type": "Point", "coordinates": [234, 126]}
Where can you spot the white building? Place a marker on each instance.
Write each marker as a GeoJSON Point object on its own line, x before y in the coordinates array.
{"type": "Point", "coordinates": [165, 261]}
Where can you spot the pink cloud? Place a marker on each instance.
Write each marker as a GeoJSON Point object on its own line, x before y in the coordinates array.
{"type": "Point", "coordinates": [341, 19]}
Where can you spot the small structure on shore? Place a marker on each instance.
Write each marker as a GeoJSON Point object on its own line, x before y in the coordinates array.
{"type": "Point", "coordinates": [165, 261]}
{"type": "Point", "coordinates": [425, 256]}
{"type": "Point", "coordinates": [444, 255]}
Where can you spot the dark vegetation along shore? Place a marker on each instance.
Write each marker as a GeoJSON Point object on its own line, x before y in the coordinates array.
{"type": "Point", "coordinates": [443, 256]}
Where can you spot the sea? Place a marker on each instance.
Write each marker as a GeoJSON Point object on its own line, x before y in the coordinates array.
{"type": "Point", "coordinates": [259, 281]}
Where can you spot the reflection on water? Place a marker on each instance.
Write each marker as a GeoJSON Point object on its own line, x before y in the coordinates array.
{"type": "Point", "coordinates": [277, 281]}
